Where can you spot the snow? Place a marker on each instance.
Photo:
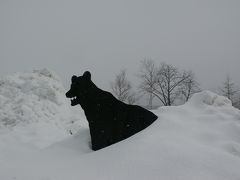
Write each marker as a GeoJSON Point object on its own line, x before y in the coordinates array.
{"type": "Point", "coordinates": [198, 140]}
{"type": "Point", "coordinates": [34, 108]}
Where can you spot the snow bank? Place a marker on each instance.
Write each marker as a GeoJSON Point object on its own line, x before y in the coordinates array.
{"type": "Point", "coordinates": [209, 98]}
{"type": "Point", "coordinates": [34, 107]}
{"type": "Point", "coordinates": [198, 140]}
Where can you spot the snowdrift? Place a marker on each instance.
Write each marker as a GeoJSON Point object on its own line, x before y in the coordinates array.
{"type": "Point", "coordinates": [198, 140]}
{"type": "Point", "coordinates": [34, 107]}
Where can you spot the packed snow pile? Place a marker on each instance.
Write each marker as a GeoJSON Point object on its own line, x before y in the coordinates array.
{"type": "Point", "coordinates": [34, 103]}
{"type": "Point", "coordinates": [198, 140]}
{"type": "Point", "coordinates": [210, 98]}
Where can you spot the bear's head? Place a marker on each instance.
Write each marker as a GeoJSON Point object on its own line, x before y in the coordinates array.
{"type": "Point", "coordinates": [79, 88]}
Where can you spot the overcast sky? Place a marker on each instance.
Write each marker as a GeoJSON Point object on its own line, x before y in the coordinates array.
{"type": "Point", "coordinates": [105, 36]}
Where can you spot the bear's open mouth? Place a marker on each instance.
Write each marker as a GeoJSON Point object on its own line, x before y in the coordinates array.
{"type": "Point", "coordinates": [74, 101]}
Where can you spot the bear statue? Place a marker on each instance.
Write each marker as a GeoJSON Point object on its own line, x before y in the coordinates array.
{"type": "Point", "coordinates": [110, 120]}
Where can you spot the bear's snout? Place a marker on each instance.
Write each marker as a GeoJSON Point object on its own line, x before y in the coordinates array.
{"type": "Point", "coordinates": [68, 94]}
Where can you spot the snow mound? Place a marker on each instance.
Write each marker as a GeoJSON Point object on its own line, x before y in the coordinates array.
{"type": "Point", "coordinates": [209, 98]}
{"type": "Point", "coordinates": [198, 140]}
{"type": "Point", "coordinates": [36, 99]}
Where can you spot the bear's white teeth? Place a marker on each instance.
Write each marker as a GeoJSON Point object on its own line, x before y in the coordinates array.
{"type": "Point", "coordinates": [74, 98]}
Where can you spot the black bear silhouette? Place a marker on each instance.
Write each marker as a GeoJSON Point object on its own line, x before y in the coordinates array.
{"type": "Point", "coordinates": [110, 120]}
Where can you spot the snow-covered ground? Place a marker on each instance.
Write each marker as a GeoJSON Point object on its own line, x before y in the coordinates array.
{"type": "Point", "coordinates": [198, 140]}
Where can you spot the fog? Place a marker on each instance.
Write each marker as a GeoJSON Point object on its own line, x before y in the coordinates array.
{"type": "Point", "coordinates": [106, 36]}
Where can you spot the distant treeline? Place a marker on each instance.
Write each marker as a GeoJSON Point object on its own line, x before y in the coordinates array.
{"type": "Point", "coordinates": [165, 84]}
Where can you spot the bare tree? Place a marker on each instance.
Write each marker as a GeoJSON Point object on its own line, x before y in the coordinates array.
{"type": "Point", "coordinates": [163, 82]}
{"type": "Point", "coordinates": [229, 90]}
{"type": "Point", "coordinates": [132, 98]}
{"type": "Point", "coordinates": [122, 89]}
{"type": "Point", "coordinates": [169, 81]}
{"type": "Point", "coordinates": [148, 75]}
{"type": "Point", "coordinates": [189, 86]}
{"type": "Point", "coordinates": [236, 104]}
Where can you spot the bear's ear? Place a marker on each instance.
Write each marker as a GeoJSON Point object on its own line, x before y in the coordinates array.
{"type": "Point", "coordinates": [74, 78]}
{"type": "Point", "coordinates": [87, 75]}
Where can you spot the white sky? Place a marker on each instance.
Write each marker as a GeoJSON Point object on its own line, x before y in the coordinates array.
{"type": "Point", "coordinates": [105, 36]}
